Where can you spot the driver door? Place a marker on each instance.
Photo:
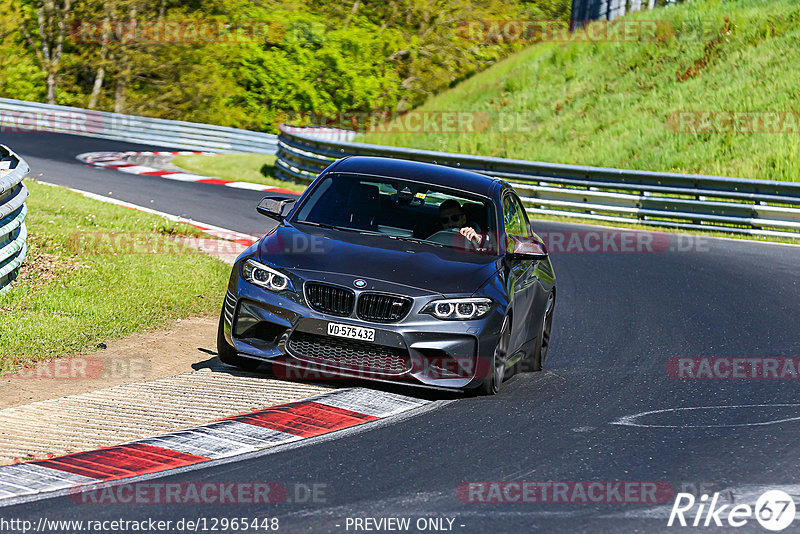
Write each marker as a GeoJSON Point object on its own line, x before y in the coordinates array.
{"type": "Point", "coordinates": [521, 277]}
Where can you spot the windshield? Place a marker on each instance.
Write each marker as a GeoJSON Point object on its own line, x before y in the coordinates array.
{"type": "Point", "coordinates": [400, 209]}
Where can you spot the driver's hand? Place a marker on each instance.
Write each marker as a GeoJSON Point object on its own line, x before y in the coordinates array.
{"type": "Point", "coordinates": [470, 234]}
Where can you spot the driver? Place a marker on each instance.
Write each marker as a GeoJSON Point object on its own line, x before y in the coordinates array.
{"type": "Point", "coordinates": [452, 216]}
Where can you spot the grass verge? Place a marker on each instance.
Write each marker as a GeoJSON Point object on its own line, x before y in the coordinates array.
{"type": "Point", "coordinates": [69, 298]}
{"type": "Point", "coordinates": [239, 167]}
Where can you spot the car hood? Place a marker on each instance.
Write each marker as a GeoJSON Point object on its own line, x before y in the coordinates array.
{"type": "Point", "coordinates": [386, 264]}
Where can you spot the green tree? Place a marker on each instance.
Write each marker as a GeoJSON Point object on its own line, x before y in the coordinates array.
{"type": "Point", "coordinates": [45, 24]}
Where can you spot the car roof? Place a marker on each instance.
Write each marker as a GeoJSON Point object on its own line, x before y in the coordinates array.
{"type": "Point", "coordinates": [422, 172]}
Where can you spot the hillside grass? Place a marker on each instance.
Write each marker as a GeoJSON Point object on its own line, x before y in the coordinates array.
{"type": "Point", "coordinates": [72, 295]}
{"type": "Point", "coordinates": [610, 104]}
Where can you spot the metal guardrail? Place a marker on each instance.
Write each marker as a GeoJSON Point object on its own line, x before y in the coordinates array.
{"type": "Point", "coordinates": [13, 233]}
{"type": "Point", "coordinates": [24, 116]}
{"type": "Point", "coordinates": [586, 10]}
{"type": "Point", "coordinates": [327, 134]}
{"type": "Point", "coordinates": [687, 201]}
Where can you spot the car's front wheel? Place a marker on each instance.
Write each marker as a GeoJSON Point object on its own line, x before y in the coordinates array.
{"type": "Point", "coordinates": [543, 343]}
{"type": "Point", "coordinates": [497, 371]}
{"type": "Point", "coordinates": [228, 355]}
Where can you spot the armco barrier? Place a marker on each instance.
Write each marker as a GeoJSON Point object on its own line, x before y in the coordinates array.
{"type": "Point", "coordinates": [586, 10]}
{"type": "Point", "coordinates": [13, 210]}
{"type": "Point", "coordinates": [690, 201]}
{"type": "Point", "coordinates": [20, 115]}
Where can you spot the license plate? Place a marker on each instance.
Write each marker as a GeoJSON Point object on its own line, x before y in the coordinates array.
{"type": "Point", "coordinates": [351, 332]}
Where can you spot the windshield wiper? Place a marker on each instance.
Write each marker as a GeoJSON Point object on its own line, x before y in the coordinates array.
{"type": "Point", "coordinates": [321, 225]}
{"type": "Point", "coordinates": [369, 232]}
{"type": "Point", "coordinates": [413, 240]}
{"type": "Point", "coordinates": [342, 228]}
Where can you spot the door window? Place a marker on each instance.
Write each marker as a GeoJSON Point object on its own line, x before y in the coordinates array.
{"type": "Point", "coordinates": [515, 220]}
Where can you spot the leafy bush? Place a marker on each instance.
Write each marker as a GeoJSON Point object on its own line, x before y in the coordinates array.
{"type": "Point", "coordinates": [304, 56]}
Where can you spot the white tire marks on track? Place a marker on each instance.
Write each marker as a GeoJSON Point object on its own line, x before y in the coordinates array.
{"type": "Point", "coordinates": [634, 420]}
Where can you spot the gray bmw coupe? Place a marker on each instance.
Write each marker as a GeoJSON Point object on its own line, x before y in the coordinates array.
{"type": "Point", "coordinates": [396, 271]}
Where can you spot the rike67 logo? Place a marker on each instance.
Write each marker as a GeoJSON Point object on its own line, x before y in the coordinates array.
{"type": "Point", "coordinates": [774, 510]}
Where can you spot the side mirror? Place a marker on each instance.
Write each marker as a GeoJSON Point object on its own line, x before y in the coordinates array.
{"type": "Point", "coordinates": [275, 207]}
{"type": "Point", "coordinates": [526, 248]}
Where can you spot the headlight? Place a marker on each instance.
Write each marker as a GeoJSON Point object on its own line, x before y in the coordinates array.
{"type": "Point", "coordinates": [263, 276]}
{"type": "Point", "coordinates": [462, 309]}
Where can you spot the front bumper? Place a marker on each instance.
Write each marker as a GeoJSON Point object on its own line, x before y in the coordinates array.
{"type": "Point", "coordinates": [418, 350]}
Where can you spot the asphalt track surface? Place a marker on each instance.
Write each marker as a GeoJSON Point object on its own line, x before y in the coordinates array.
{"type": "Point", "coordinates": [52, 159]}
{"type": "Point", "coordinates": [619, 319]}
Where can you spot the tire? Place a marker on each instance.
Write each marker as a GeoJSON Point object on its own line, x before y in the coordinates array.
{"type": "Point", "coordinates": [228, 355]}
{"type": "Point", "coordinates": [543, 343]}
{"type": "Point", "coordinates": [491, 386]}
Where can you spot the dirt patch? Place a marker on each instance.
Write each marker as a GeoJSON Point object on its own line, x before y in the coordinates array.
{"type": "Point", "coordinates": [42, 267]}
{"type": "Point", "coordinates": [180, 347]}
